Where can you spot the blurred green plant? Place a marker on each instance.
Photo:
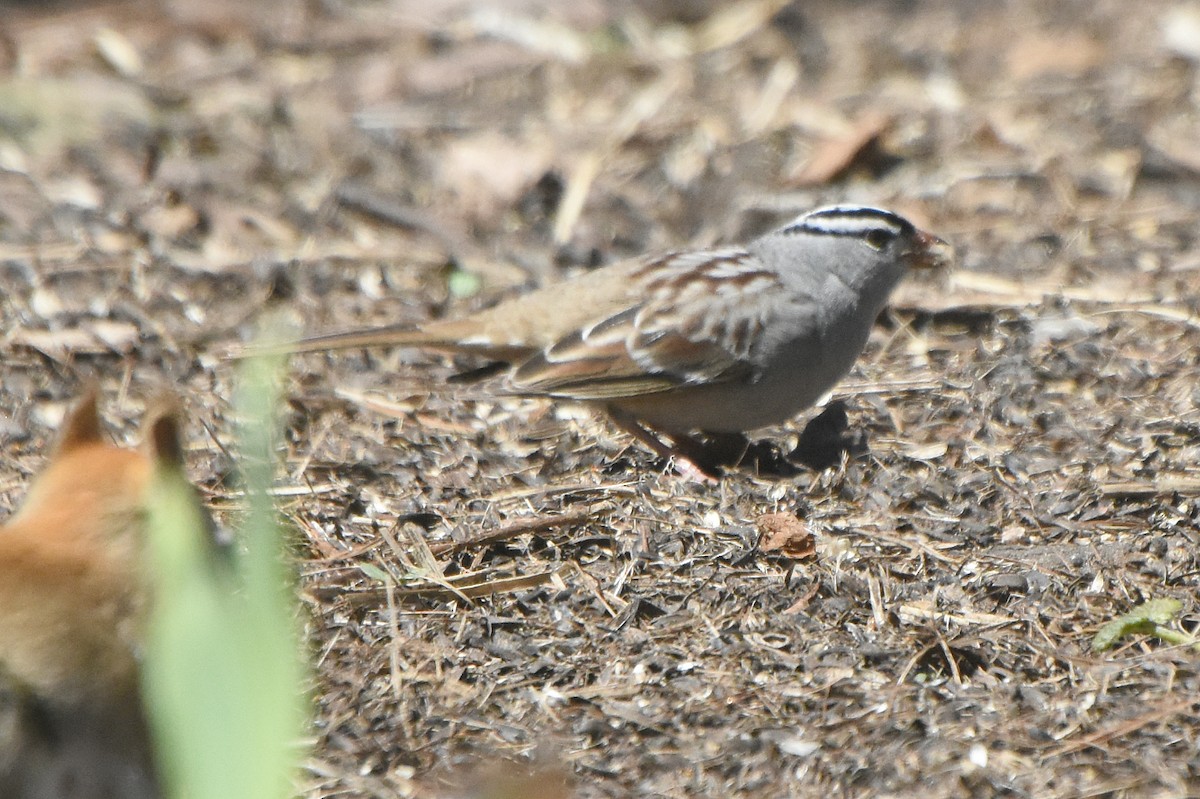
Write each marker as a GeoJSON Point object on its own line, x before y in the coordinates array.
{"type": "Point", "coordinates": [1148, 618]}
{"type": "Point", "coordinates": [224, 673]}
{"type": "Point", "coordinates": [462, 283]}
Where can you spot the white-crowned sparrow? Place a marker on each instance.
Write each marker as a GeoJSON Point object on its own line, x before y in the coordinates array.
{"type": "Point", "coordinates": [719, 341]}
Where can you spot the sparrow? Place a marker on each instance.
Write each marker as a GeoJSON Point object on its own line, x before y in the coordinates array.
{"type": "Point", "coordinates": [717, 341]}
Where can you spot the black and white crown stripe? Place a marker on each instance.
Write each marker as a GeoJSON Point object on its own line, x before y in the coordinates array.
{"type": "Point", "coordinates": [856, 221]}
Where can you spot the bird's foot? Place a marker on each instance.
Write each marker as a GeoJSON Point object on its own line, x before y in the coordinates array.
{"type": "Point", "coordinates": [689, 456]}
{"type": "Point", "coordinates": [706, 457]}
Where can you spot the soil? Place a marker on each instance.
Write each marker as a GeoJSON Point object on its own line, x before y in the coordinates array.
{"type": "Point", "coordinates": [497, 579]}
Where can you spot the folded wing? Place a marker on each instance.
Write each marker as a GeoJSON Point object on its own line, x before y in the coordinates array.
{"type": "Point", "coordinates": [702, 316]}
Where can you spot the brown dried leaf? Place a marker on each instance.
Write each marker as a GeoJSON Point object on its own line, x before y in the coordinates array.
{"type": "Point", "coordinates": [833, 157]}
{"type": "Point", "coordinates": [489, 171]}
{"type": "Point", "coordinates": [787, 535]}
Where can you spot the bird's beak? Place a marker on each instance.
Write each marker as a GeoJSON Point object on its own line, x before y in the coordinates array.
{"type": "Point", "coordinates": [930, 252]}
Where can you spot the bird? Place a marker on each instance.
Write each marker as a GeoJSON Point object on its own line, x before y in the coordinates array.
{"type": "Point", "coordinates": [718, 341]}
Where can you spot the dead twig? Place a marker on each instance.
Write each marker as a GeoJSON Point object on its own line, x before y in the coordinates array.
{"type": "Point", "coordinates": [511, 531]}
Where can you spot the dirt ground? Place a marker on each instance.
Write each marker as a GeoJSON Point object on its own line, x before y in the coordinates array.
{"type": "Point", "coordinates": [1031, 467]}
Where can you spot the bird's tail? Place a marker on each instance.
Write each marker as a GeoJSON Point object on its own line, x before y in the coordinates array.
{"type": "Point", "coordinates": [388, 336]}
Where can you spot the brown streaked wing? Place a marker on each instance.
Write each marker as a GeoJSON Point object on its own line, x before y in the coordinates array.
{"type": "Point", "coordinates": [698, 324]}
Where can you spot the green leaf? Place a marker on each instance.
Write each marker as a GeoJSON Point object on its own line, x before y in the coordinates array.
{"type": "Point", "coordinates": [374, 572]}
{"type": "Point", "coordinates": [1146, 619]}
{"type": "Point", "coordinates": [224, 673]}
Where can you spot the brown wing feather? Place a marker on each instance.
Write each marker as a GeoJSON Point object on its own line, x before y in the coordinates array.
{"type": "Point", "coordinates": [697, 324]}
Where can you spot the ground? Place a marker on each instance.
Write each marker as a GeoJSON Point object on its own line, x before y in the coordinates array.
{"type": "Point", "coordinates": [1030, 418]}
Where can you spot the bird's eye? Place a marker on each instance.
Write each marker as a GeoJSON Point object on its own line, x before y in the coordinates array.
{"type": "Point", "coordinates": [877, 238]}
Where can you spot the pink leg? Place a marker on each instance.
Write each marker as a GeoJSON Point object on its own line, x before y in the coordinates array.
{"type": "Point", "coordinates": [687, 454]}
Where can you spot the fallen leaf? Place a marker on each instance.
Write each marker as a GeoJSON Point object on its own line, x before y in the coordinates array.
{"type": "Point", "coordinates": [787, 535]}
{"type": "Point", "coordinates": [489, 171]}
{"type": "Point", "coordinates": [833, 157]}
{"type": "Point", "coordinates": [1147, 618]}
